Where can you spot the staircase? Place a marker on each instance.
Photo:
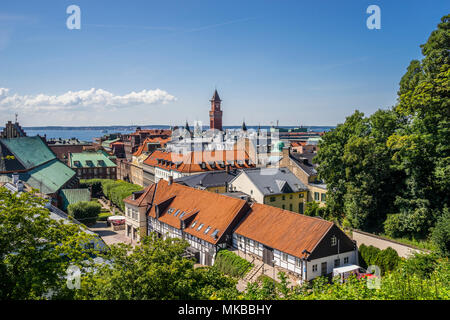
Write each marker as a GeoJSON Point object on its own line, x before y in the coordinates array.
{"type": "Point", "coordinates": [254, 272]}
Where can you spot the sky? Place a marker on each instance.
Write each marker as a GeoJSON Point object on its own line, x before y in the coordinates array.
{"type": "Point", "coordinates": [159, 62]}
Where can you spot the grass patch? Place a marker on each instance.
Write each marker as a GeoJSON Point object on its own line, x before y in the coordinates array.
{"type": "Point", "coordinates": [104, 215]}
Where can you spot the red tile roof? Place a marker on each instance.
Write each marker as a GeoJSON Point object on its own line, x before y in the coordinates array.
{"type": "Point", "coordinates": [144, 145]}
{"type": "Point", "coordinates": [192, 161]}
{"type": "Point", "coordinates": [283, 230]}
{"type": "Point", "coordinates": [210, 209]}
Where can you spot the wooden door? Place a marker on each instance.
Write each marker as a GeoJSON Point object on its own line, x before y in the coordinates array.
{"type": "Point", "coordinates": [268, 256]}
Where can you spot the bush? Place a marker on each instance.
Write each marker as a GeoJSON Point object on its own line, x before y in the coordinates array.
{"type": "Point", "coordinates": [441, 234]}
{"type": "Point", "coordinates": [387, 259]}
{"type": "Point", "coordinates": [114, 190]}
{"type": "Point", "coordinates": [85, 211]}
{"type": "Point", "coordinates": [421, 264]}
{"type": "Point", "coordinates": [231, 264]}
{"type": "Point", "coordinates": [94, 184]}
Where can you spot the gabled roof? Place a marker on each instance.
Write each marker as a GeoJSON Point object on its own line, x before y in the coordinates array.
{"type": "Point", "coordinates": [304, 161]}
{"type": "Point", "coordinates": [144, 145]}
{"type": "Point", "coordinates": [29, 152]}
{"type": "Point", "coordinates": [90, 159]}
{"type": "Point", "coordinates": [49, 177]}
{"type": "Point", "coordinates": [208, 208]}
{"type": "Point", "coordinates": [198, 161]}
{"type": "Point", "coordinates": [271, 181]}
{"type": "Point", "coordinates": [283, 230]}
{"type": "Point", "coordinates": [71, 196]}
{"type": "Point", "coordinates": [208, 179]}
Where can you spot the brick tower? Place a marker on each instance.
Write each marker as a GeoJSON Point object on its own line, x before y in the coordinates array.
{"type": "Point", "coordinates": [215, 114]}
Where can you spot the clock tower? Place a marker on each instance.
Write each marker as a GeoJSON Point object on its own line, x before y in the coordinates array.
{"type": "Point", "coordinates": [215, 114]}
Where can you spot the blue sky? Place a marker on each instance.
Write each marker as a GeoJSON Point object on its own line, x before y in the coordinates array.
{"type": "Point", "coordinates": [299, 62]}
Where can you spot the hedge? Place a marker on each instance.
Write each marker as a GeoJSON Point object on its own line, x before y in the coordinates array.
{"type": "Point", "coordinates": [231, 264]}
{"type": "Point", "coordinates": [114, 190]}
{"type": "Point", "coordinates": [387, 259]}
{"type": "Point", "coordinates": [85, 211]}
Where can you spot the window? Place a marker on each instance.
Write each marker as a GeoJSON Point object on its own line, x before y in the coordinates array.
{"type": "Point", "coordinates": [283, 206]}
{"type": "Point", "coordinates": [337, 263]}
{"type": "Point", "coordinates": [193, 225]}
{"type": "Point", "coordinates": [290, 207]}
{"type": "Point", "coordinates": [298, 262]}
{"type": "Point", "coordinates": [323, 197]}
{"type": "Point", "coordinates": [300, 195]}
{"type": "Point", "coordinates": [284, 256]}
{"type": "Point", "coordinates": [283, 197]}
{"type": "Point", "coordinates": [214, 234]}
{"type": "Point", "coordinates": [314, 268]}
{"type": "Point", "coordinates": [345, 260]}
{"type": "Point", "coordinates": [176, 213]}
{"type": "Point", "coordinates": [272, 199]}
{"type": "Point", "coordinates": [290, 196]}
{"type": "Point", "coordinates": [199, 227]}
{"type": "Point", "coordinates": [333, 240]}
{"type": "Point", "coordinates": [316, 196]}
{"type": "Point", "coordinates": [207, 229]}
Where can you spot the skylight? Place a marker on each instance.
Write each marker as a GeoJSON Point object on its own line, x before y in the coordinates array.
{"type": "Point", "coordinates": [176, 213]}
{"type": "Point", "coordinates": [199, 227]}
{"type": "Point", "coordinates": [214, 234]}
{"type": "Point", "coordinates": [170, 210]}
{"type": "Point", "coordinates": [207, 229]}
{"type": "Point", "coordinates": [193, 225]}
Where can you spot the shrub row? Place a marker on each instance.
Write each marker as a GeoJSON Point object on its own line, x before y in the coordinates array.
{"type": "Point", "coordinates": [114, 190]}
{"type": "Point", "coordinates": [85, 211]}
{"type": "Point", "coordinates": [231, 264]}
{"type": "Point", "coordinates": [387, 259]}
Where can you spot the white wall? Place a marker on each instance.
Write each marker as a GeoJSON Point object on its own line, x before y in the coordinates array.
{"type": "Point", "coordinates": [352, 259]}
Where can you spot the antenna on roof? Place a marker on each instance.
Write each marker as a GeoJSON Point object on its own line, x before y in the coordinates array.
{"type": "Point", "coordinates": [16, 117]}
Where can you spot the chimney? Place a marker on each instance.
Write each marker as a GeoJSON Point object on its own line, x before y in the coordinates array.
{"type": "Point", "coordinates": [170, 180]}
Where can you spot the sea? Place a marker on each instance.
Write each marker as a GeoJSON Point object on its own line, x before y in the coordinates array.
{"type": "Point", "coordinates": [89, 133]}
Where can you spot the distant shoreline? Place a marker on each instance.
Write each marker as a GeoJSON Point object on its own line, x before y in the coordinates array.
{"type": "Point", "coordinates": [122, 128]}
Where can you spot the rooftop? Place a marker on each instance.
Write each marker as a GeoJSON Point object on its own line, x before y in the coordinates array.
{"type": "Point", "coordinates": [89, 159]}
{"type": "Point", "coordinates": [208, 179]}
{"type": "Point", "coordinates": [283, 230]}
{"type": "Point", "coordinates": [274, 180]}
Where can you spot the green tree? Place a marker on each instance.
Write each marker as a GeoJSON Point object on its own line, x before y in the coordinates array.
{"type": "Point", "coordinates": [441, 234]}
{"type": "Point", "coordinates": [35, 249]}
{"type": "Point", "coordinates": [153, 270]}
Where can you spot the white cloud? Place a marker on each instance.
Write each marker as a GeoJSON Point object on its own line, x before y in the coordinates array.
{"type": "Point", "coordinates": [80, 100]}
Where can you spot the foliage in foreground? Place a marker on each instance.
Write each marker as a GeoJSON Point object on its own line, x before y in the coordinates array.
{"type": "Point", "coordinates": [154, 270]}
{"type": "Point", "coordinates": [36, 250]}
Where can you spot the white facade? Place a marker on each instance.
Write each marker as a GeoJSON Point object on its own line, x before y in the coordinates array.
{"type": "Point", "coordinates": [135, 222]}
{"type": "Point", "coordinates": [292, 263]}
{"type": "Point", "coordinates": [167, 231]}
